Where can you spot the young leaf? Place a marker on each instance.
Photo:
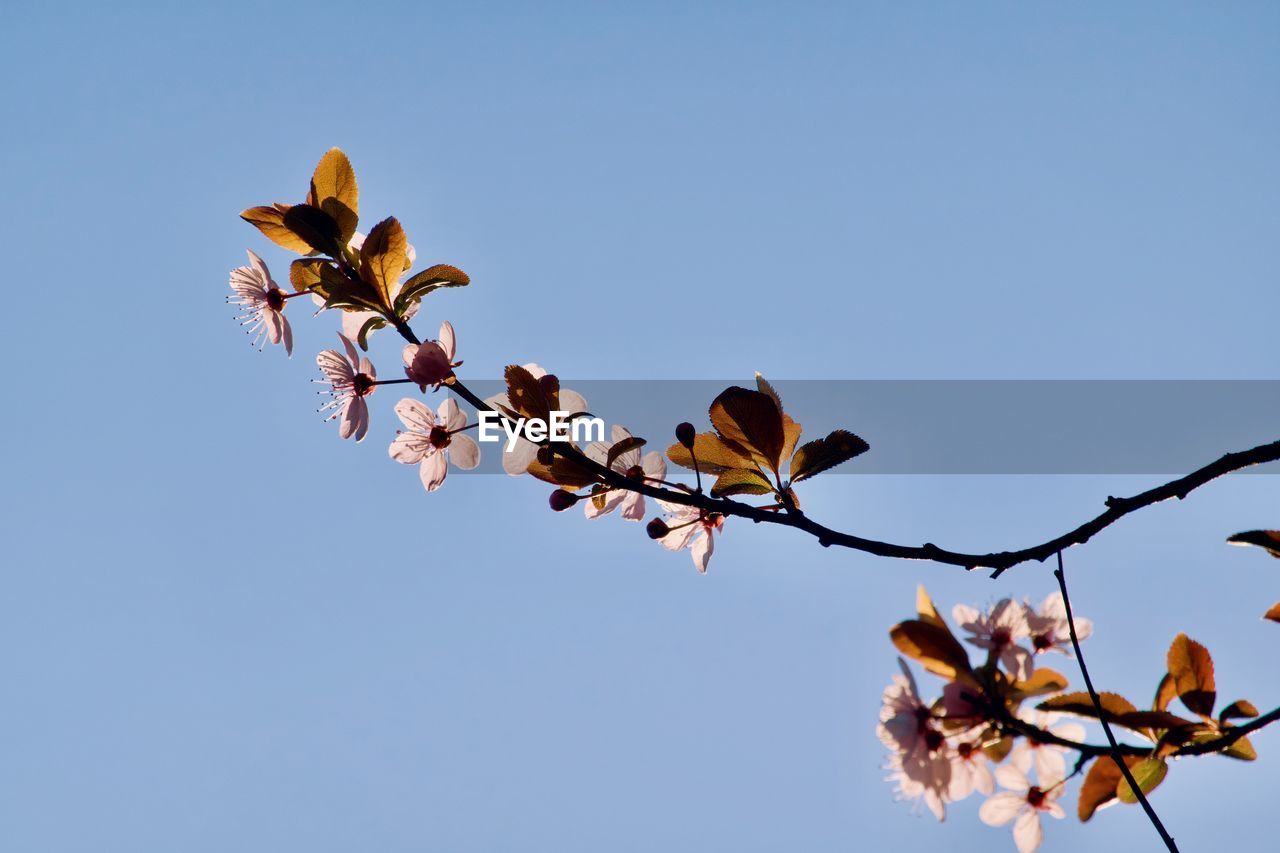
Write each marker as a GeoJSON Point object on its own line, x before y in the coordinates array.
{"type": "Point", "coordinates": [1241, 709]}
{"type": "Point", "coordinates": [270, 221]}
{"type": "Point", "coordinates": [432, 278]}
{"type": "Point", "coordinates": [935, 648]}
{"type": "Point", "coordinates": [823, 453]}
{"type": "Point", "coordinates": [1166, 690]}
{"type": "Point", "coordinates": [926, 610]}
{"type": "Point", "coordinates": [1242, 749]}
{"type": "Point", "coordinates": [333, 190]}
{"type": "Point", "coordinates": [753, 421]}
{"type": "Point", "coordinates": [1148, 773]}
{"type": "Point", "coordinates": [1100, 783]}
{"type": "Point", "coordinates": [315, 228]}
{"type": "Point", "coordinates": [1274, 613]}
{"type": "Point", "coordinates": [714, 454]}
{"type": "Point", "coordinates": [1041, 682]}
{"type": "Point", "coordinates": [382, 257]}
{"type": "Point", "coordinates": [526, 394]}
{"type": "Point", "coordinates": [1192, 671]}
{"type": "Point", "coordinates": [362, 337]}
{"type": "Point", "coordinates": [1079, 703]}
{"type": "Point", "coordinates": [1266, 539]}
{"type": "Point", "coordinates": [740, 481]}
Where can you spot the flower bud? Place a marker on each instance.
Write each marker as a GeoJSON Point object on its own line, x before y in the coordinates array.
{"type": "Point", "coordinates": [657, 528]}
{"type": "Point", "coordinates": [561, 500]}
{"type": "Point", "coordinates": [429, 365]}
{"type": "Point", "coordinates": [685, 434]}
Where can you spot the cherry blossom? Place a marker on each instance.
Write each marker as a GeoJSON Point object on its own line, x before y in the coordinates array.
{"type": "Point", "coordinates": [999, 632]}
{"type": "Point", "coordinates": [351, 378]}
{"type": "Point", "coordinates": [1022, 803]}
{"type": "Point", "coordinates": [263, 302]}
{"type": "Point", "coordinates": [429, 436]}
{"type": "Point", "coordinates": [1049, 629]}
{"type": "Point", "coordinates": [650, 466]}
{"type": "Point", "coordinates": [517, 460]}
{"type": "Point", "coordinates": [970, 770]}
{"type": "Point", "coordinates": [688, 527]}
{"type": "Point", "coordinates": [1049, 759]}
{"type": "Point", "coordinates": [921, 763]}
{"type": "Point", "coordinates": [431, 363]}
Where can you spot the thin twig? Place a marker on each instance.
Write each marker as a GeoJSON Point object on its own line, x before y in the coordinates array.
{"type": "Point", "coordinates": [1116, 755]}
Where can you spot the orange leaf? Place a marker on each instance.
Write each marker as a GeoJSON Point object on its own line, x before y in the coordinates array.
{"type": "Point", "coordinates": [934, 647]}
{"type": "Point", "coordinates": [1192, 669]}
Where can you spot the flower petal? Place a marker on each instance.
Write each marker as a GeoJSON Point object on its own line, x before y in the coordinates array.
{"type": "Point", "coordinates": [409, 448]}
{"type": "Point", "coordinates": [433, 470]}
{"type": "Point", "coordinates": [1027, 832]}
{"type": "Point", "coordinates": [701, 551]}
{"type": "Point", "coordinates": [1000, 809]}
{"type": "Point", "coordinates": [464, 453]}
{"type": "Point", "coordinates": [415, 415]}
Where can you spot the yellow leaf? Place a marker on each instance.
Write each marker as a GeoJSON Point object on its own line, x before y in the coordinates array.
{"type": "Point", "coordinates": [926, 610]}
{"type": "Point", "coordinates": [823, 453]}
{"type": "Point", "coordinates": [1241, 749]}
{"type": "Point", "coordinates": [753, 421]}
{"type": "Point", "coordinates": [740, 481]}
{"type": "Point", "coordinates": [382, 257]}
{"type": "Point", "coordinates": [1100, 783]}
{"type": "Point", "coordinates": [333, 190]}
{"type": "Point", "coordinates": [1041, 682]}
{"type": "Point", "coordinates": [935, 648]}
{"type": "Point", "coordinates": [1148, 773]}
{"type": "Point", "coordinates": [1080, 704]}
{"type": "Point", "coordinates": [270, 221]}
{"type": "Point", "coordinates": [714, 454]}
{"type": "Point", "coordinates": [1165, 693]}
{"type": "Point", "coordinates": [1192, 670]}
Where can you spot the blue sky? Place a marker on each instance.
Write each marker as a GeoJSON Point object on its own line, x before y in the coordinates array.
{"type": "Point", "coordinates": [223, 628]}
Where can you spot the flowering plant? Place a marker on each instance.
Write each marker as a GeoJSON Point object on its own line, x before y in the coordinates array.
{"type": "Point", "coordinates": [996, 729]}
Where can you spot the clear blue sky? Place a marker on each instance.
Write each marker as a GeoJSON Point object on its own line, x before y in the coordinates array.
{"type": "Point", "coordinates": [224, 629]}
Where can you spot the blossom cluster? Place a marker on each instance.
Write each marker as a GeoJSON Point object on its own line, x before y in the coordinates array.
{"type": "Point", "coordinates": [974, 738]}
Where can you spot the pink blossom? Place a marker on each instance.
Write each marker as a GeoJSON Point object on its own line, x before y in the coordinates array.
{"type": "Point", "coordinates": [921, 762]}
{"type": "Point", "coordinates": [1022, 804]}
{"type": "Point", "coordinates": [690, 528]}
{"type": "Point", "coordinates": [999, 631]}
{"type": "Point", "coordinates": [263, 302]}
{"type": "Point", "coordinates": [1049, 759]}
{"type": "Point", "coordinates": [351, 378]}
{"type": "Point", "coordinates": [970, 770]}
{"type": "Point", "coordinates": [1049, 628]}
{"type": "Point", "coordinates": [429, 436]}
{"type": "Point", "coordinates": [432, 363]}
{"type": "Point", "coordinates": [631, 464]}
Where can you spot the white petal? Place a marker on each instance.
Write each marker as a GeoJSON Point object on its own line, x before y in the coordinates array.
{"type": "Point", "coordinates": [571, 401]}
{"type": "Point", "coordinates": [964, 615]}
{"type": "Point", "coordinates": [275, 329]}
{"type": "Point", "coordinates": [352, 354]}
{"type": "Point", "coordinates": [409, 448]}
{"type": "Point", "coordinates": [464, 453]}
{"type": "Point", "coordinates": [335, 368]}
{"type": "Point", "coordinates": [448, 341]}
{"type": "Point", "coordinates": [611, 501]}
{"type": "Point", "coordinates": [1027, 833]}
{"type": "Point", "coordinates": [350, 418]}
{"type": "Point", "coordinates": [678, 540]}
{"type": "Point", "coordinates": [517, 460]}
{"type": "Point", "coordinates": [260, 270]}
{"type": "Point", "coordinates": [415, 415]}
{"type": "Point", "coordinates": [633, 506]}
{"type": "Point", "coordinates": [654, 466]}
{"type": "Point", "coordinates": [1000, 809]}
{"type": "Point", "coordinates": [362, 418]}
{"type": "Point", "coordinates": [288, 335]}
{"type": "Point", "coordinates": [1012, 778]}
{"type": "Point", "coordinates": [433, 470]}
{"type": "Point", "coordinates": [701, 551]}
{"type": "Point", "coordinates": [353, 322]}
{"type": "Point", "coordinates": [1050, 764]}
{"type": "Point", "coordinates": [452, 418]}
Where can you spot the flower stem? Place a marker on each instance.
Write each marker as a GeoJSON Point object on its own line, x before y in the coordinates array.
{"type": "Point", "coordinates": [1116, 755]}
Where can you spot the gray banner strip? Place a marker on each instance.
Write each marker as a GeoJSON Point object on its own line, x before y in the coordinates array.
{"type": "Point", "coordinates": [975, 426]}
